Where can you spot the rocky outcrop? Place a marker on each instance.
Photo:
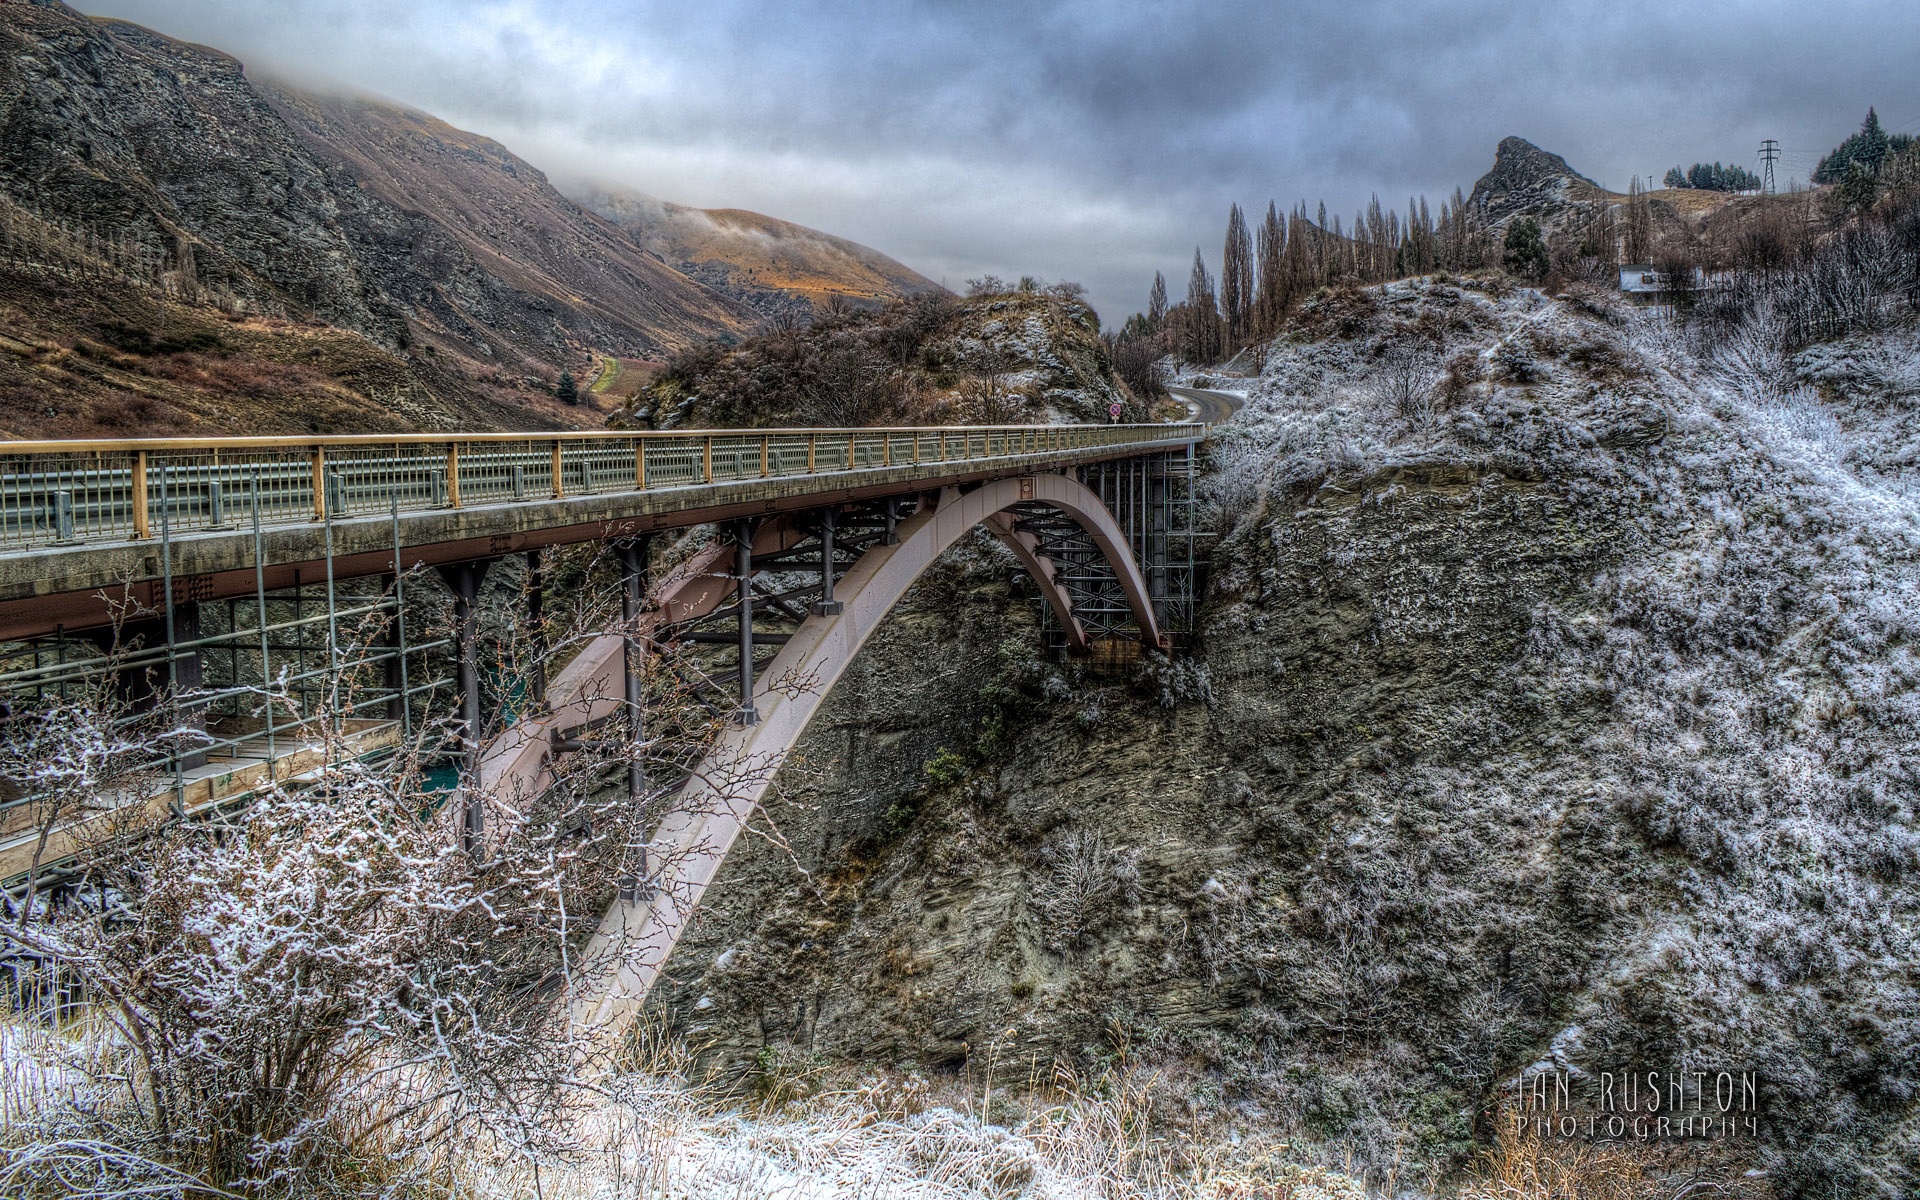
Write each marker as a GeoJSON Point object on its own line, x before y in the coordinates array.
{"type": "Point", "coordinates": [1526, 180]}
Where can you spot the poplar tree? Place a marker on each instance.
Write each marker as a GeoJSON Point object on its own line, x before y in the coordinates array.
{"type": "Point", "coordinates": [1157, 304]}
{"type": "Point", "coordinates": [1236, 284]}
{"type": "Point", "coordinates": [1270, 300]}
{"type": "Point", "coordinates": [1201, 338]}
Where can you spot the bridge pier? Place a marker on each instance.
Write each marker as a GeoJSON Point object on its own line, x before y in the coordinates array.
{"type": "Point", "coordinates": [537, 631]}
{"type": "Point", "coordinates": [827, 606]}
{"type": "Point", "coordinates": [464, 580]}
{"type": "Point", "coordinates": [746, 714]}
{"type": "Point", "coordinates": [634, 553]}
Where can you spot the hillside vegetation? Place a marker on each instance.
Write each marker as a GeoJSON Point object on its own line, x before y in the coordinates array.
{"type": "Point", "coordinates": [994, 357]}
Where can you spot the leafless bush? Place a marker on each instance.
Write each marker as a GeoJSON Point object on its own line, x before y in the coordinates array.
{"type": "Point", "coordinates": [1079, 876]}
{"type": "Point", "coordinates": [328, 992]}
{"type": "Point", "coordinates": [1404, 379]}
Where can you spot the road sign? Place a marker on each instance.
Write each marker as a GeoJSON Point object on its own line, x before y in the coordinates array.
{"type": "Point", "coordinates": [1113, 410]}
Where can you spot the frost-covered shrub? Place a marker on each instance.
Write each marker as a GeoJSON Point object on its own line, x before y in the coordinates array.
{"type": "Point", "coordinates": [333, 988]}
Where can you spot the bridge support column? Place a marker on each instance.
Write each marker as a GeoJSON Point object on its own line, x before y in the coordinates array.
{"type": "Point", "coordinates": [393, 646]}
{"type": "Point", "coordinates": [746, 714]}
{"type": "Point", "coordinates": [827, 606]}
{"type": "Point", "coordinates": [637, 884]}
{"type": "Point", "coordinates": [464, 579]}
{"type": "Point", "coordinates": [537, 630]}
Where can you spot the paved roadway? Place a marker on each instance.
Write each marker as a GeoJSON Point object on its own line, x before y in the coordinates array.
{"type": "Point", "coordinates": [1209, 407]}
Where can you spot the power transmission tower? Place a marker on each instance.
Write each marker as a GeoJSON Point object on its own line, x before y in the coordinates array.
{"type": "Point", "coordinates": [1769, 150]}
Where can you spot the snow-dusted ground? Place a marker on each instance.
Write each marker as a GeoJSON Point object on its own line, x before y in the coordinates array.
{"type": "Point", "coordinates": [649, 1138]}
{"type": "Point", "coordinates": [1753, 661]}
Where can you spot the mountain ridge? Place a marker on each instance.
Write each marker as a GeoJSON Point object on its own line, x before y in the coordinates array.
{"type": "Point", "coordinates": [150, 182]}
{"type": "Point", "coordinates": [769, 264]}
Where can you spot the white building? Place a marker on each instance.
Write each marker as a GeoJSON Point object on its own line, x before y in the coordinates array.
{"type": "Point", "coordinates": [1641, 279]}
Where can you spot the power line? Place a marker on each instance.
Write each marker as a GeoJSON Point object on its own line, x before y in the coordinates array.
{"type": "Point", "coordinates": [1769, 150]}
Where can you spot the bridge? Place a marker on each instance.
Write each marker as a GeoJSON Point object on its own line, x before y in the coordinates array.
{"type": "Point", "coordinates": [190, 576]}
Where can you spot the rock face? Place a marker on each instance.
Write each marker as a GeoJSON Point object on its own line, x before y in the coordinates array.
{"type": "Point", "coordinates": [1567, 726]}
{"type": "Point", "coordinates": [773, 266]}
{"type": "Point", "coordinates": [477, 245]}
{"type": "Point", "coordinates": [130, 135]}
{"type": "Point", "coordinates": [1526, 180]}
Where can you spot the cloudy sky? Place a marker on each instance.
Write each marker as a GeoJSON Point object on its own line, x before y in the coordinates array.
{"type": "Point", "coordinates": [1096, 141]}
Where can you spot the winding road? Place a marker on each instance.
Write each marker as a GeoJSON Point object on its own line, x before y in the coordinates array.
{"type": "Point", "coordinates": [1209, 407]}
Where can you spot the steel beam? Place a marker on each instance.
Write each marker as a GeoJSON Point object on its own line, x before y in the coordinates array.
{"type": "Point", "coordinates": [464, 580]}
{"type": "Point", "coordinates": [746, 714]}
{"type": "Point", "coordinates": [826, 606]}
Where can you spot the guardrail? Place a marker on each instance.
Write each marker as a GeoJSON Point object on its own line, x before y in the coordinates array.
{"type": "Point", "coordinates": [68, 493]}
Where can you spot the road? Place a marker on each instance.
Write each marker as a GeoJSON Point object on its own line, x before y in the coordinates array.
{"type": "Point", "coordinates": [1209, 407]}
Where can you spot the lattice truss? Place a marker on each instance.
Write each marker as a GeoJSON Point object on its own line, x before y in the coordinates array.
{"type": "Point", "coordinates": [1152, 499]}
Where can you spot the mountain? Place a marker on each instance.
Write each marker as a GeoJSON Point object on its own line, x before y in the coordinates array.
{"type": "Point", "coordinates": [187, 248]}
{"type": "Point", "coordinates": [768, 264]}
{"type": "Point", "coordinates": [1527, 179]}
{"type": "Point", "coordinates": [482, 250]}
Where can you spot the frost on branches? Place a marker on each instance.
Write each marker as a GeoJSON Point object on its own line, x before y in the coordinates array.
{"type": "Point", "coordinates": [323, 992]}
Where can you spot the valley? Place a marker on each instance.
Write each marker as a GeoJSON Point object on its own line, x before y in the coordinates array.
{"type": "Point", "coordinates": [514, 686]}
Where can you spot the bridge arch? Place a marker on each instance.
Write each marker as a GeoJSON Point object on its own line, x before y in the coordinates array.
{"type": "Point", "coordinates": [635, 936]}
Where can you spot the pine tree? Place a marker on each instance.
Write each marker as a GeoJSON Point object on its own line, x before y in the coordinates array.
{"type": "Point", "coordinates": [1236, 284]}
{"type": "Point", "coordinates": [1526, 250]}
{"type": "Point", "coordinates": [1869, 148]}
{"type": "Point", "coordinates": [567, 390]}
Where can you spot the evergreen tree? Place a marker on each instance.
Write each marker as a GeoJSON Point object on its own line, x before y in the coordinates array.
{"type": "Point", "coordinates": [567, 390]}
{"type": "Point", "coordinates": [1859, 187]}
{"type": "Point", "coordinates": [1676, 178]}
{"type": "Point", "coordinates": [1526, 250]}
{"type": "Point", "coordinates": [1869, 148]}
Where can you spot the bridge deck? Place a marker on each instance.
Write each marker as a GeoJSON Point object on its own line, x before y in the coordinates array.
{"type": "Point", "coordinates": [77, 517]}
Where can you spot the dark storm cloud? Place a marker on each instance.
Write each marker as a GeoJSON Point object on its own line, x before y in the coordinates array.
{"type": "Point", "coordinates": [1090, 141]}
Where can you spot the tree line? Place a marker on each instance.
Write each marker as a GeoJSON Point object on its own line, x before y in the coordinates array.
{"type": "Point", "coordinates": [1266, 270]}
{"type": "Point", "coordinates": [1713, 177]}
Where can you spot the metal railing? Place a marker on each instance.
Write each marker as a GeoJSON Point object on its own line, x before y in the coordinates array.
{"type": "Point", "coordinates": [68, 493]}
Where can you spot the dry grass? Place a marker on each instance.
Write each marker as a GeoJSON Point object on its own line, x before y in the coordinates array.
{"type": "Point", "coordinates": [1522, 1165]}
{"type": "Point", "coordinates": [646, 1135]}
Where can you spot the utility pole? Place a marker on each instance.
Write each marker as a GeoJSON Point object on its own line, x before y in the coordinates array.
{"type": "Point", "coordinates": [1769, 150]}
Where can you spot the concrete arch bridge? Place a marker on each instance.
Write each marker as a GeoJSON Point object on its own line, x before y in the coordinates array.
{"type": "Point", "coordinates": [246, 558]}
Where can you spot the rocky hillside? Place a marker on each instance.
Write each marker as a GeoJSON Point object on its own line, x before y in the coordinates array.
{"type": "Point", "coordinates": [1528, 180]}
{"type": "Point", "coordinates": [932, 358]}
{"type": "Point", "coordinates": [770, 265]}
{"type": "Point", "coordinates": [1555, 712]}
{"type": "Point", "coordinates": [484, 252]}
{"type": "Point", "coordinates": [183, 247]}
